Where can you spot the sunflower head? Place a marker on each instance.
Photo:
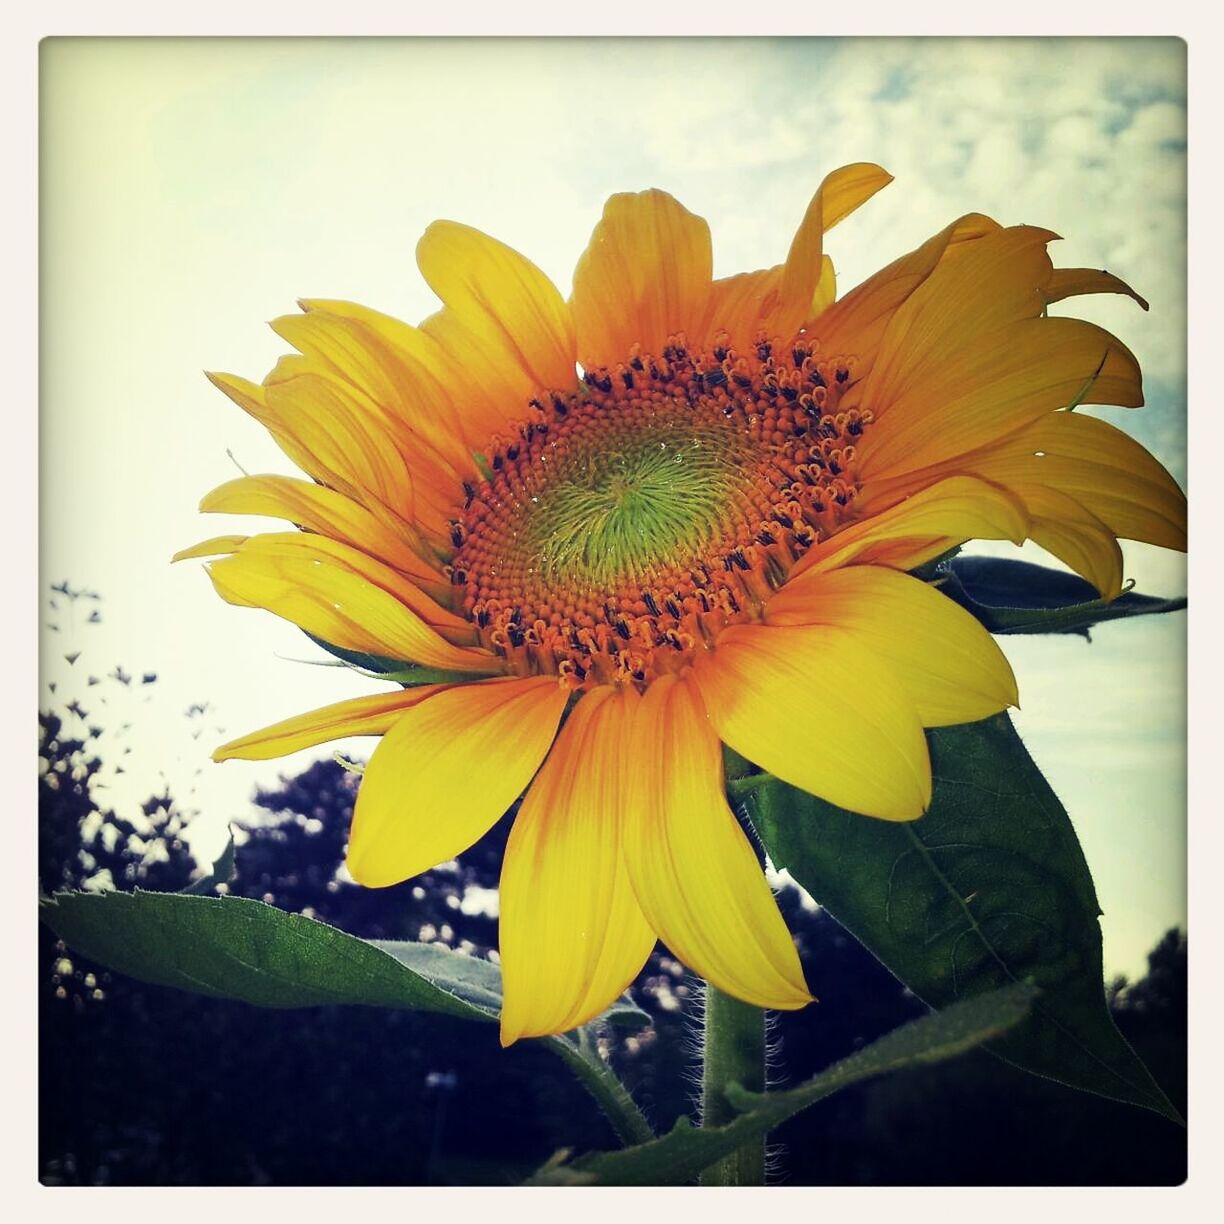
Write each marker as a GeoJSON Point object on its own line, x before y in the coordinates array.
{"type": "Point", "coordinates": [671, 514]}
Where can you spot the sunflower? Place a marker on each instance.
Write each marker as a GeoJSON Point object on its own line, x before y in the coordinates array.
{"type": "Point", "coordinates": [609, 536]}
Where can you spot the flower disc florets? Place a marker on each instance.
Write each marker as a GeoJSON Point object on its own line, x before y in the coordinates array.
{"type": "Point", "coordinates": [632, 520]}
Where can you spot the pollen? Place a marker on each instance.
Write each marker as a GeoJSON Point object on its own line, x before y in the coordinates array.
{"type": "Point", "coordinates": [624, 525]}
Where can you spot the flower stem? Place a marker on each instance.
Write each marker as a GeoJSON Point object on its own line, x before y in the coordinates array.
{"type": "Point", "coordinates": [734, 1054]}
{"type": "Point", "coordinates": [734, 1046]}
{"type": "Point", "coordinates": [601, 1082]}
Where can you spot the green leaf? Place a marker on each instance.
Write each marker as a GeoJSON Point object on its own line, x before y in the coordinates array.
{"type": "Point", "coordinates": [410, 675]}
{"type": "Point", "coordinates": [234, 948]}
{"type": "Point", "coordinates": [479, 981]}
{"type": "Point", "coordinates": [989, 887]}
{"type": "Point", "coordinates": [358, 659]}
{"type": "Point", "coordinates": [1019, 597]}
{"type": "Point", "coordinates": [686, 1150]}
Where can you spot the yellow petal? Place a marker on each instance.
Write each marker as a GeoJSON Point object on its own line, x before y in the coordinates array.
{"type": "Point", "coordinates": [370, 715]}
{"type": "Point", "coordinates": [493, 390]}
{"type": "Point", "coordinates": [819, 709]}
{"type": "Point", "coordinates": [348, 445]}
{"type": "Point", "coordinates": [644, 276]}
{"type": "Point", "coordinates": [290, 365]}
{"type": "Point", "coordinates": [742, 305]}
{"type": "Point", "coordinates": [572, 936]}
{"type": "Point", "coordinates": [508, 304]}
{"type": "Point", "coordinates": [304, 399]}
{"type": "Point", "coordinates": [693, 870]}
{"type": "Point", "coordinates": [330, 601]}
{"type": "Point", "coordinates": [340, 346]}
{"type": "Point", "coordinates": [1105, 470]}
{"type": "Point", "coordinates": [252, 399]}
{"type": "Point", "coordinates": [447, 770]}
{"type": "Point", "coordinates": [950, 667]}
{"type": "Point", "coordinates": [395, 365]}
{"type": "Point", "coordinates": [274, 546]}
{"type": "Point", "coordinates": [396, 335]}
{"type": "Point", "coordinates": [909, 532]}
{"type": "Point", "coordinates": [839, 195]}
{"type": "Point", "coordinates": [214, 547]}
{"type": "Point", "coordinates": [355, 450]}
{"type": "Point", "coordinates": [847, 188]}
{"type": "Point", "coordinates": [320, 509]}
{"type": "Point", "coordinates": [1071, 282]}
{"type": "Point", "coordinates": [995, 281]}
{"type": "Point", "coordinates": [826, 288]}
{"type": "Point", "coordinates": [778, 300]}
{"type": "Point", "coordinates": [457, 384]}
{"type": "Point", "coordinates": [855, 325]}
{"type": "Point", "coordinates": [458, 390]}
{"type": "Point", "coordinates": [991, 386]}
{"type": "Point", "coordinates": [1072, 533]}
{"type": "Point", "coordinates": [738, 304]}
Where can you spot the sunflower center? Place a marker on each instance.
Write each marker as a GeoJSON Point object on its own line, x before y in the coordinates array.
{"type": "Point", "coordinates": [627, 522]}
{"type": "Point", "coordinates": [626, 502]}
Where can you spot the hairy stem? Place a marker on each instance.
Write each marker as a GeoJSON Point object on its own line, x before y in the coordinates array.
{"type": "Point", "coordinates": [734, 1046]}
{"type": "Point", "coordinates": [611, 1095]}
{"type": "Point", "coordinates": [734, 1054]}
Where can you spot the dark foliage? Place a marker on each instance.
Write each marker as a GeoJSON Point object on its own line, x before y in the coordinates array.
{"type": "Point", "coordinates": [142, 1085]}
{"type": "Point", "coordinates": [977, 1121]}
{"type": "Point", "coordinates": [79, 840]}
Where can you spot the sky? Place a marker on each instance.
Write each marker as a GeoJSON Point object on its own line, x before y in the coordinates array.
{"type": "Point", "coordinates": [192, 190]}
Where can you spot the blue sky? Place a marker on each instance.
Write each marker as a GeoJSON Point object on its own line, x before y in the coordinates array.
{"type": "Point", "coordinates": [194, 190]}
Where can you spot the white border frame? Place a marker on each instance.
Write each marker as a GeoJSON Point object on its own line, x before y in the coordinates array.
{"type": "Point", "coordinates": [22, 31]}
